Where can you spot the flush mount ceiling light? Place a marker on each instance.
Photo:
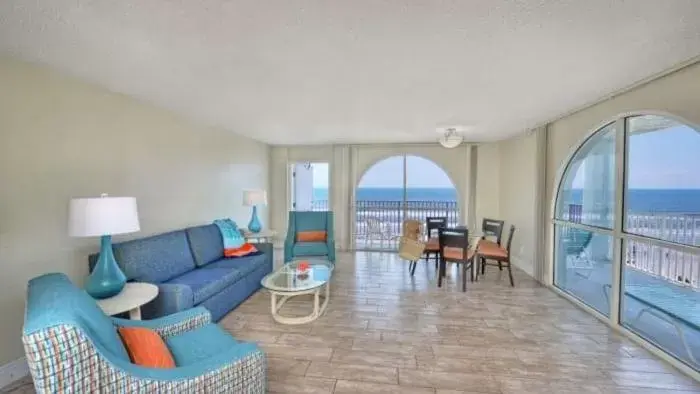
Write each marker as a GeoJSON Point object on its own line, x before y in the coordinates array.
{"type": "Point", "coordinates": [451, 136]}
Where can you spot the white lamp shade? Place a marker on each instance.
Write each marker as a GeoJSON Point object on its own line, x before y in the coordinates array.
{"type": "Point", "coordinates": [254, 197]}
{"type": "Point", "coordinates": [91, 217]}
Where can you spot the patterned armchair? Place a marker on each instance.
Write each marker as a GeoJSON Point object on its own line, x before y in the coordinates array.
{"type": "Point", "coordinates": [301, 222]}
{"type": "Point", "coordinates": [72, 346]}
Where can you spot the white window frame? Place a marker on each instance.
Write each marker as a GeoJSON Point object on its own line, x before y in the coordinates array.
{"type": "Point", "coordinates": [617, 232]}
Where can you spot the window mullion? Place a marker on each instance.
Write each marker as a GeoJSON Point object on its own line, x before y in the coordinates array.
{"type": "Point", "coordinates": [620, 166]}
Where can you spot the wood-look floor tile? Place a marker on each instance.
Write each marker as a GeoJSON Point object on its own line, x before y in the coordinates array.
{"type": "Point", "coordinates": [369, 373]}
{"type": "Point", "coordinates": [354, 387]}
{"type": "Point", "coordinates": [310, 353]}
{"type": "Point", "coordinates": [306, 340]}
{"type": "Point", "coordinates": [366, 357]}
{"type": "Point", "coordinates": [300, 384]}
{"type": "Point", "coordinates": [381, 346]}
{"type": "Point", "coordinates": [448, 380]}
{"type": "Point", "coordinates": [281, 367]}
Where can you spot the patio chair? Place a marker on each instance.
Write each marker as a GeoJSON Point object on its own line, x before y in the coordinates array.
{"type": "Point", "coordinates": [376, 229]}
{"type": "Point", "coordinates": [575, 242]}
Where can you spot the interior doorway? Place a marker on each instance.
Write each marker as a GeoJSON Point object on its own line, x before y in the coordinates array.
{"type": "Point", "coordinates": [309, 186]}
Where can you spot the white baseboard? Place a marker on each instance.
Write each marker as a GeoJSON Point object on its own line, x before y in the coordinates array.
{"type": "Point", "coordinates": [13, 371]}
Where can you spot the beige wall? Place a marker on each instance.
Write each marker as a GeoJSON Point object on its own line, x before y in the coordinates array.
{"type": "Point", "coordinates": [488, 165]}
{"type": "Point", "coordinates": [61, 138]}
{"type": "Point", "coordinates": [517, 194]}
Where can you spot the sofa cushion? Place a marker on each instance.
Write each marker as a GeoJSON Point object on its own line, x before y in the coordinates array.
{"type": "Point", "coordinates": [310, 249]}
{"type": "Point", "coordinates": [206, 243]}
{"type": "Point", "coordinates": [245, 264]}
{"type": "Point", "coordinates": [205, 282]}
{"type": "Point", "coordinates": [200, 344]}
{"type": "Point", "coordinates": [155, 259]}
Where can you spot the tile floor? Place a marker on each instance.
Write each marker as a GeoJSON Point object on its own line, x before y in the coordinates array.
{"type": "Point", "coordinates": [385, 332]}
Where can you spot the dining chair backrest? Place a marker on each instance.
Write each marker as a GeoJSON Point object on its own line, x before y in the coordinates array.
{"type": "Point", "coordinates": [433, 223]}
{"type": "Point", "coordinates": [511, 233]}
{"type": "Point", "coordinates": [457, 238]}
{"type": "Point", "coordinates": [493, 228]}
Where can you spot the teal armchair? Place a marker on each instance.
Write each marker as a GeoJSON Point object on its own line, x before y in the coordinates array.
{"type": "Point", "coordinates": [309, 221]}
{"type": "Point", "coordinates": [73, 347]}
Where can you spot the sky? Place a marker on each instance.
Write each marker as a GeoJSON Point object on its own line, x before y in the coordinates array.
{"type": "Point", "coordinates": [420, 172]}
{"type": "Point", "coordinates": [663, 159]}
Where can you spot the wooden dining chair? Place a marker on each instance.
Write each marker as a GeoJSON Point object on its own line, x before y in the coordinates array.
{"type": "Point", "coordinates": [454, 248]}
{"type": "Point", "coordinates": [492, 228]}
{"type": "Point", "coordinates": [432, 247]}
{"type": "Point", "coordinates": [490, 250]}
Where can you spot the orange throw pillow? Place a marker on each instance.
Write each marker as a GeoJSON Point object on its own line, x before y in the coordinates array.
{"type": "Point", "coordinates": [146, 348]}
{"type": "Point", "coordinates": [244, 250]}
{"type": "Point", "coordinates": [311, 236]}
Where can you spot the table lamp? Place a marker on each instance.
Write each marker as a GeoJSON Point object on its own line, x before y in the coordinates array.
{"type": "Point", "coordinates": [104, 216]}
{"type": "Point", "coordinates": [253, 198]}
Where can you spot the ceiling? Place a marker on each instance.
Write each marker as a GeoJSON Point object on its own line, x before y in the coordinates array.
{"type": "Point", "coordinates": [359, 71]}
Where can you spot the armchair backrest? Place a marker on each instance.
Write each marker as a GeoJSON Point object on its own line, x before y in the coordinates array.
{"type": "Point", "coordinates": [52, 300]}
{"type": "Point", "coordinates": [311, 220]}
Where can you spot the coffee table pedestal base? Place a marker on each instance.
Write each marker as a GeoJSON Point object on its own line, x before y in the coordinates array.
{"type": "Point", "coordinates": [319, 308]}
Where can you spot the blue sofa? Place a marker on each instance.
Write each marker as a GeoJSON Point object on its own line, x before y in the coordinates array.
{"type": "Point", "coordinates": [190, 269]}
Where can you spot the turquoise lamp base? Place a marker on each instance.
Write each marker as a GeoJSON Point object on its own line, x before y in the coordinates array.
{"type": "Point", "coordinates": [106, 279]}
{"type": "Point", "coordinates": [254, 226]}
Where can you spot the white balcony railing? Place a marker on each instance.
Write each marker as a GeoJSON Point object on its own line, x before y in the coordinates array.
{"type": "Point", "coordinates": [675, 266]}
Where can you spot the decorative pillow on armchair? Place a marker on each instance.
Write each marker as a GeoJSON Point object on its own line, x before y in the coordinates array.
{"type": "Point", "coordinates": [311, 236]}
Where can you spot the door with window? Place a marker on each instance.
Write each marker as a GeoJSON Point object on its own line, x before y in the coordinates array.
{"type": "Point", "coordinates": [309, 186]}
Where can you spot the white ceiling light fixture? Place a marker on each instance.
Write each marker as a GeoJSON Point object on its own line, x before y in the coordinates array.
{"type": "Point", "coordinates": [451, 136]}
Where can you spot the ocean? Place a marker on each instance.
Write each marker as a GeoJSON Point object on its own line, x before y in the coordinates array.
{"type": "Point", "coordinates": [638, 200]}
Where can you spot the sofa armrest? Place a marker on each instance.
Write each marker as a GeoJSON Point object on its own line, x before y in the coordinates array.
{"type": "Point", "coordinates": [171, 298]}
{"type": "Point", "coordinates": [268, 249]}
{"type": "Point", "coordinates": [174, 324]}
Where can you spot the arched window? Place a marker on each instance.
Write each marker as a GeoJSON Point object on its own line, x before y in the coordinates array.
{"type": "Point", "coordinates": [629, 202]}
{"type": "Point", "coordinates": [398, 188]}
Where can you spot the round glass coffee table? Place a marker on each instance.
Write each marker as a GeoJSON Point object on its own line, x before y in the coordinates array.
{"type": "Point", "coordinates": [288, 281]}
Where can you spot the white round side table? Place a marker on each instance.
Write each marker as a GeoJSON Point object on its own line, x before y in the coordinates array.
{"type": "Point", "coordinates": [129, 299]}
